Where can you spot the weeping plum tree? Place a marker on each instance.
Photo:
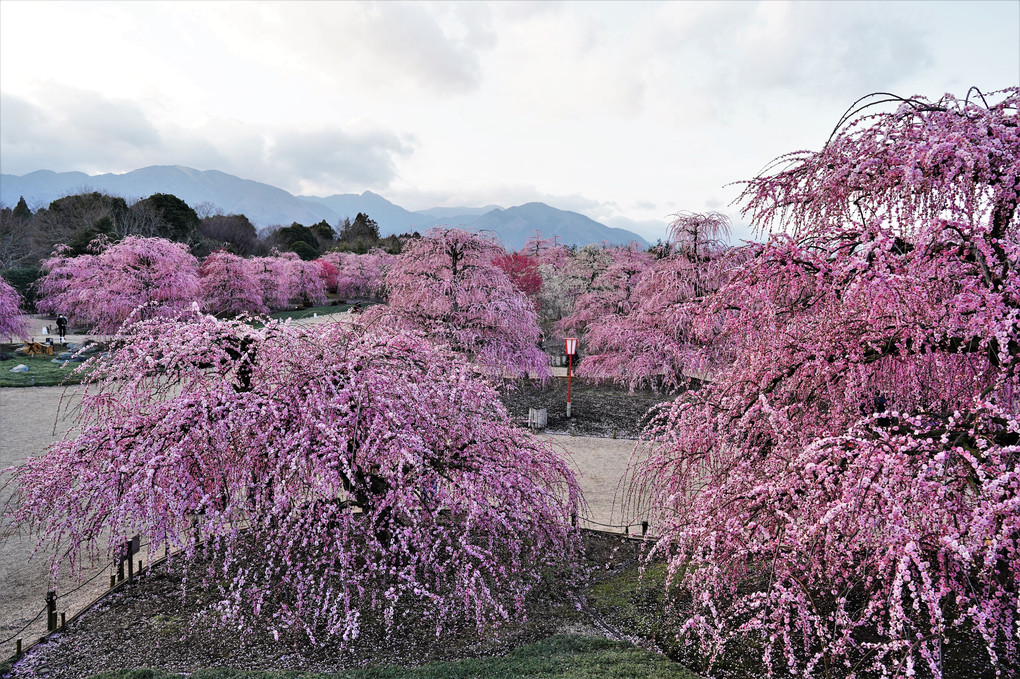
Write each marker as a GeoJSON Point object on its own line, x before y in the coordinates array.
{"type": "Point", "coordinates": [329, 273]}
{"type": "Point", "coordinates": [309, 284]}
{"type": "Point", "coordinates": [340, 477]}
{"type": "Point", "coordinates": [360, 276]}
{"type": "Point", "coordinates": [277, 280]}
{"type": "Point", "coordinates": [609, 291]}
{"type": "Point", "coordinates": [522, 271]}
{"type": "Point", "coordinates": [228, 285]}
{"type": "Point", "coordinates": [100, 291]}
{"type": "Point", "coordinates": [12, 324]}
{"type": "Point", "coordinates": [846, 493]}
{"type": "Point", "coordinates": [659, 334]}
{"type": "Point", "coordinates": [446, 286]}
{"type": "Point", "coordinates": [555, 296]}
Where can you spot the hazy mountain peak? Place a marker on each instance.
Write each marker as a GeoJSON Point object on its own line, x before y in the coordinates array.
{"type": "Point", "coordinates": [267, 205]}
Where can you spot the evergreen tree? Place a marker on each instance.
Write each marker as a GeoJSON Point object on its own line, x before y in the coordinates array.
{"type": "Point", "coordinates": [21, 211]}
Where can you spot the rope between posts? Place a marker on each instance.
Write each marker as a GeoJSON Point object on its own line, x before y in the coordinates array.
{"type": "Point", "coordinates": [609, 525]}
{"type": "Point", "coordinates": [80, 585]}
{"type": "Point", "coordinates": [15, 635]}
{"type": "Point", "coordinates": [61, 595]}
{"type": "Point", "coordinates": [605, 525]}
{"type": "Point", "coordinates": [83, 610]}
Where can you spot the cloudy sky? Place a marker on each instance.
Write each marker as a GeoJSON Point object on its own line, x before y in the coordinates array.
{"type": "Point", "coordinates": [626, 112]}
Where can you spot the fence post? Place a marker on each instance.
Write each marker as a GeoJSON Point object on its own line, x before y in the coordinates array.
{"type": "Point", "coordinates": [51, 611]}
{"type": "Point", "coordinates": [17, 648]}
{"type": "Point", "coordinates": [573, 519]}
{"type": "Point", "coordinates": [644, 528]}
{"type": "Point", "coordinates": [63, 620]}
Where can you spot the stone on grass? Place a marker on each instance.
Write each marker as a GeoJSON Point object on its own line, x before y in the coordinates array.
{"type": "Point", "coordinates": [20, 368]}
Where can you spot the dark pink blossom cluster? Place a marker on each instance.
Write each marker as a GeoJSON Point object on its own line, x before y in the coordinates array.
{"type": "Point", "coordinates": [523, 273]}
{"type": "Point", "coordinates": [338, 475]}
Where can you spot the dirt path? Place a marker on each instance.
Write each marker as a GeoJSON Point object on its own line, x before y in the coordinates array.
{"type": "Point", "coordinates": [29, 423]}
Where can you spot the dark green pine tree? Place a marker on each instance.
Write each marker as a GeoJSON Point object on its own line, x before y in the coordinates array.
{"type": "Point", "coordinates": [21, 212]}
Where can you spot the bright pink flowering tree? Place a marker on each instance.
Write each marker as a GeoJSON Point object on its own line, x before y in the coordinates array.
{"type": "Point", "coordinates": [522, 271]}
{"type": "Point", "coordinates": [150, 276]}
{"type": "Point", "coordinates": [846, 493]}
{"type": "Point", "coordinates": [339, 476]}
{"type": "Point", "coordinates": [229, 286]}
{"type": "Point", "coordinates": [12, 323]}
{"type": "Point", "coordinates": [446, 286]}
{"type": "Point", "coordinates": [329, 273]}
{"type": "Point", "coordinates": [660, 333]}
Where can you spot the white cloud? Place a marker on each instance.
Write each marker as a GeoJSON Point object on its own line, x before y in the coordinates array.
{"type": "Point", "coordinates": [324, 159]}
{"type": "Point", "coordinates": [618, 110]}
{"type": "Point", "coordinates": [70, 129]}
{"type": "Point", "coordinates": [386, 49]}
{"type": "Point", "coordinates": [76, 129]}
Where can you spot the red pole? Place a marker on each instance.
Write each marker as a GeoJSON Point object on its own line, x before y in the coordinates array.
{"type": "Point", "coordinates": [570, 345]}
{"type": "Point", "coordinates": [570, 370]}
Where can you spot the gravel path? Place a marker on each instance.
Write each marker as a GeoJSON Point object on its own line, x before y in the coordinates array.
{"type": "Point", "coordinates": [28, 424]}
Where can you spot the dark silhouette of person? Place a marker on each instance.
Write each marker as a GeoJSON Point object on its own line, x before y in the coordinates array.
{"type": "Point", "coordinates": [62, 326]}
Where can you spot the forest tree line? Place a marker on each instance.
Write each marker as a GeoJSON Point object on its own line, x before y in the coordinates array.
{"type": "Point", "coordinates": [28, 236]}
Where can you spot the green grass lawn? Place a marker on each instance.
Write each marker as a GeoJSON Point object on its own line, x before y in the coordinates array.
{"type": "Point", "coordinates": [562, 657]}
{"type": "Point", "coordinates": [320, 310]}
{"type": "Point", "coordinates": [42, 372]}
{"type": "Point", "coordinates": [310, 311]}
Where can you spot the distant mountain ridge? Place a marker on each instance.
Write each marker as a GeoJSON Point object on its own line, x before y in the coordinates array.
{"type": "Point", "coordinates": [267, 205]}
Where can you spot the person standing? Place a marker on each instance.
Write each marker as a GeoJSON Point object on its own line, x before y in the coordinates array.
{"type": "Point", "coordinates": [62, 326]}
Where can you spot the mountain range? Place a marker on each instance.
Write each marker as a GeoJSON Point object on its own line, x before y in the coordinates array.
{"type": "Point", "coordinates": [267, 205]}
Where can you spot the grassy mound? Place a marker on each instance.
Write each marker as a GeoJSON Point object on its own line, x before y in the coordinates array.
{"type": "Point", "coordinates": [42, 372]}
